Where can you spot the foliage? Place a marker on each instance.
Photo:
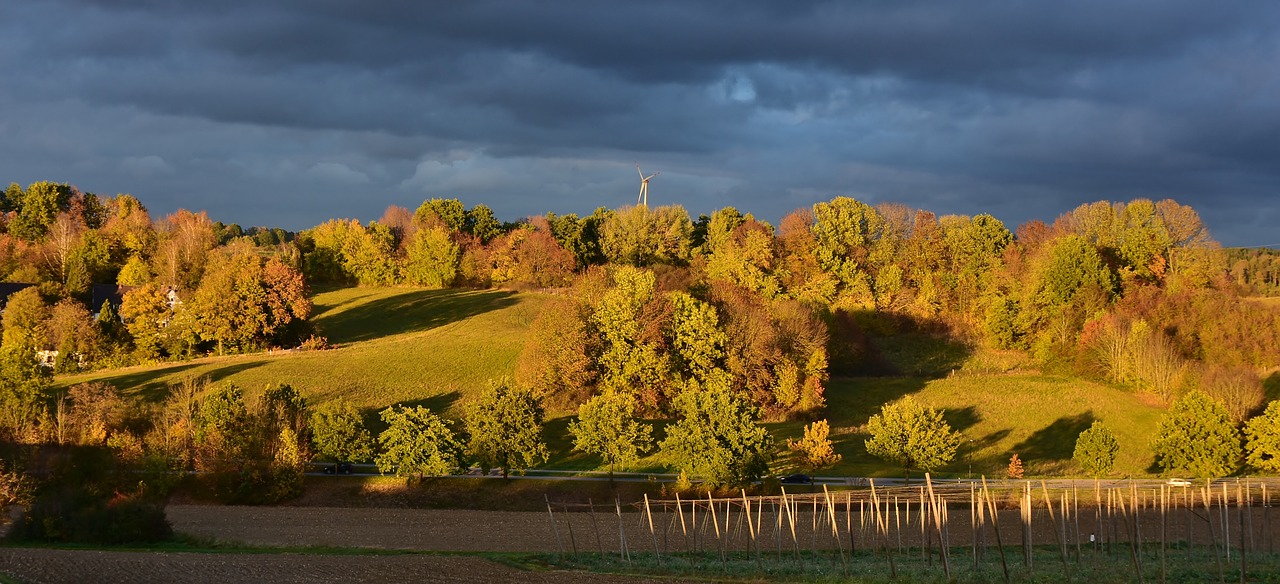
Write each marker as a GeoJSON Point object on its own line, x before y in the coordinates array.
{"type": "Point", "coordinates": [815, 451]}
{"type": "Point", "coordinates": [912, 436]}
{"type": "Point", "coordinates": [1096, 450]}
{"type": "Point", "coordinates": [417, 443]}
{"type": "Point", "coordinates": [1197, 437]}
{"type": "Point", "coordinates": [1014, 471]}
{"type": "Point", "coordinates": [338, 432]}
{"type": "Point", "coordinates": [1262, 435]}
{"type": "Point", "coordinates": [505, 428]}
{"type": "Point", "coordinates": [432, 259]}
{"type": "Point", "coordinates": [605, 426]}
{"type": "Point", "coordinates": [717, 438]}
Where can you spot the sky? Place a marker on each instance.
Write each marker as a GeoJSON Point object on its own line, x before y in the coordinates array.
{"type": "Point", "coordinates": [287, 113]}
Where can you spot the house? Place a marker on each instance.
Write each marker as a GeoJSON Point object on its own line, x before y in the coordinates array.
{"type": "Point", "coordinates": [104, 293]}
{"type": "Point", "coordinates": [8, 288]}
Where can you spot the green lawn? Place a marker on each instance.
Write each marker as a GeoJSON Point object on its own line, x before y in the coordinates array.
{"type": "Point", "coordinates": [1036, 416]}
{"type": "Point", "coordinates": [393, 345]}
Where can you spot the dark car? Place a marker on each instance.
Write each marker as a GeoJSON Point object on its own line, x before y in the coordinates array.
{"type": "Point", "coordinates": [797, 479]}
{"type": "Point", "coordinates": [339, 468]}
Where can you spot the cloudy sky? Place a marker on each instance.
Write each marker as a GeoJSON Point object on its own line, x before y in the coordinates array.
{"type": "Point", "coordinates": [290, 113]}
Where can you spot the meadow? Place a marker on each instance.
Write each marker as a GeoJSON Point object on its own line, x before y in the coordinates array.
{"type": "Point", "coordinates": [439, 348]}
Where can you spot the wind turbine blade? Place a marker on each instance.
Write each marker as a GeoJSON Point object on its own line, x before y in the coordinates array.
{"type": "Point", "coordinates": [638, 172]}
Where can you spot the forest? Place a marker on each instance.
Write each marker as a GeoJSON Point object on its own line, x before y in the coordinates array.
{"type": "Point", "coordinates": [650, 308]}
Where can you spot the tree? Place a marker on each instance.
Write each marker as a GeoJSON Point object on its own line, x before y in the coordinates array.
{"type": "Point", "coordinates": [912, 436]}
{"type": "Point", "coordinates": [417, 442]}
{"type": "Point", "coordinates": [605, 426]}
{"type": "Point", "coordinates": [1096, 450]}
{"type": "Point", "coordinates": [38, 208]}
{"type": "Point", "coordinates": [505, 425]}
{"type": "Point", "coordinates": [432, 258]}
{"type": "Point", "coordinates": [815, 451]}
{"type": "Point", "coordinates": [1262, 435]}
{"type": "Point", "coordinates": [1197, 437]}
{"type": "Point", "coordinates": [1014, 471]}
{"type": "Point", "coordinates": [717, 438]}
{"type": "Point", "coordinates": [338, 432]}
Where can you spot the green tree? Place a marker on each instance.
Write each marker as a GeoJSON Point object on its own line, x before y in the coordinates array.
{"type": "Point", "coordinates": [605, 426]}
{"type": "Point", "coordinates": [911, 435]}
{"type": "Point", "coordinates": [1262, 434]}
{"type": "Point", "coordinates": [505, 426]}
{"type": "Point", "coordinates": [846, 232]}
{"type": "Point", "coordinates": [432, 258]}
{"type": "Point", "coordinates": [1096, 450]}
{"type": "Point", "coordinates": [39, 207]}
{"type": "Point", "coordinates": [717, 438]}
{"type": "Point", "coordinates": [1197, 437]}
{"type": "Point", "coordinates": [481, 223]}
{"type": "Point", "coordinates": [450, 212]}
{"type": "Point", "coordinates": [338, 432]}
{"type": "Point", "coordinates": [417, 443]}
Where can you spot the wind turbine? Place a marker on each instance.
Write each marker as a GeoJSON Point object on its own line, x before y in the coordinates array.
{"type": "Point", "coordinates": [643, 199]}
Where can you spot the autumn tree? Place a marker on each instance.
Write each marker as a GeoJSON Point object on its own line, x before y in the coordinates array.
{"type": "Point", "coordinates": [23, 381]}
{"type": "Point", "coordinates": [186, 239]}
{"type": "Point", "coordinates": [1197, 437]}
{"type": "Point", "coordinates": [557, 361]}
{"type": "Point", "coordinates": [640, 236]}
{"type": "Point", "coordinates": [505, 428]}
{"type": "Point", "coordinates": [1262, 435]}
{"type": "Point", "coordinates": [912, 436]}
{"type": "Point", "coordinates": [814, 451]}
{"type": "Point", "coordinates": [606, 427]}
{"type": "Point", "coordinates": [73, 334]}
{"type": "Point", "coordinates": [717, 438]}
{"type": "Point", "coordinates": [338, 432]}
{"type": "Point", "coordinates": [417, 443]}
{"type": "Point", "coordinates": [1014, 470]}
{"type": "Point", "coordinates": [1096, 450]}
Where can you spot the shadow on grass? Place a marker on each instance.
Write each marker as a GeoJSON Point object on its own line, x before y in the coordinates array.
{"type": "Point", "coordinates": [1271, 386]}
{"type": "Point", "coordinates": [438, 404]}
{"type": "Point", "coordinates": [1055, 442]}
{"type": "Point", "coordinates": [410, 311]}
{"type": "Point", "coordinates": [152, 385]}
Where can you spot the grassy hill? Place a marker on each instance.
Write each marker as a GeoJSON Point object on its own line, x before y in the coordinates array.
{"type": "Point", "coordinates": [393, 345]}
{"type": "Point", "coordinates": [440, 347]}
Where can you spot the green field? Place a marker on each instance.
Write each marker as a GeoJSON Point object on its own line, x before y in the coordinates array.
{"type": "Point", "coordinates": [438, 348]}
{"type": "Point", "coordinates": [393, 345]}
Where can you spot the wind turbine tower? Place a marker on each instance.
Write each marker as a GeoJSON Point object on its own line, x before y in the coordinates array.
{"type": "Point", "coordinates": [643, 199]}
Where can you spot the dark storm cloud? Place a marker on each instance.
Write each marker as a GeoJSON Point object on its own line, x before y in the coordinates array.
{"type": "Point", "coordinates": [293, 112]}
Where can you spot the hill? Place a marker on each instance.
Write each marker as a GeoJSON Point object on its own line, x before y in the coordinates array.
{"type": "Point", "coordinates": [440, 347]}
{"type": "Point", "coordinates": [392, 345]}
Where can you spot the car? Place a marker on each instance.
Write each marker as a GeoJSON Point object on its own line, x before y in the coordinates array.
{"type": "Point", "coordinates": [338, 468]}
{"type": "Point", "coordinates": [1179, 483]}
{"type": "Point", "coordinates": [797, 479]}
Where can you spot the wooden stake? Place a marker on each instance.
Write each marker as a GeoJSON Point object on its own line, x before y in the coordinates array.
{"type": "Point", "coordinates": [835, 529]}
{"type": "Point", "coordinates": [596, 528]}
{"type": "Point", "coordinates": [652, 533]}
{"type": "Point", "coordinates": [622, 533]}
{"type": "Point", "coordinates": [568, 519]}
{"type": "Point", "coordinates": [552, 518]}
{"type": "Point", "coordinates": [995, 523]}
{"type": "Point", "coordinates": [1208, 514]}
{"type": "Point", "coordinates": [1053, 525]}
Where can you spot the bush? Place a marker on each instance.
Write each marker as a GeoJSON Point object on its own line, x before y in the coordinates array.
{"type": "Point", "coordinates": [77, 515]}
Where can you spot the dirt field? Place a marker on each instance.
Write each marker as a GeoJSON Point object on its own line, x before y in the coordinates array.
{"type": "Point", "coordinates": [42, 566]}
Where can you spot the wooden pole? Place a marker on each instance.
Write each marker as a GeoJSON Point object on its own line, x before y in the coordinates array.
{"type": "Point", "coordinates": [552, 518]}
{"type": "Point", "coordinates": [835, 530]}
{"type": "Point", "coordinates": [746, 505]}
{"type": "Point", "coordinates": [596, 528]}
{"type": "Point", "coordinates": [1053, 525]}
{"type": "Point", "coordinates": [622, 532]}
{"type": "Point", "coordinates": [568, 519]}
{"type": "Point", "coordinates": [936, 511]}
{"type": "Point", "coordinates": [652, 533]}
{"type": "Point", "coordinates": [995, 524]}
{"type": "Point", "coordinates": [1133, 553]}
{"type": "Point", "coordinates": [883, 527]}
{"type": "Point", "coordinates": [1208, 514]}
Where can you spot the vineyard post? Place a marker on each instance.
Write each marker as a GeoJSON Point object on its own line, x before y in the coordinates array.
{"type": "Point", "coordinates": [995, 524]}
{"type": "Point", "coordinates": [552, 518]}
